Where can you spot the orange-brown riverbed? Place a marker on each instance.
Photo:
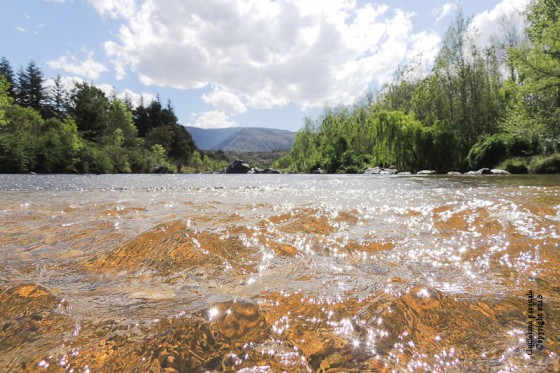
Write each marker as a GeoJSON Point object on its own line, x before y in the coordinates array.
{"type": "Point", "coordinates": [273, 273]}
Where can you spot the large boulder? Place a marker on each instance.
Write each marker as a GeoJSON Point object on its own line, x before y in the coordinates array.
{"type": "Point", "coordinates": [160, 169]}
{"type": "Point", "coordinates": [238, 167]}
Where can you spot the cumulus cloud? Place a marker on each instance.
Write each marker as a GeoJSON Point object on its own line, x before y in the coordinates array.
{"type": "Point", "coordinates": [445, 10]}
{"type": "Point", "coordinates": [490, 24]}
{"type": "Point", "coordinates": [134, 97]}
{"type": "Point", "coordinates": [89, 68]}
{"type": "Point", "coordinates": [213, 119]}
{"type": "Point", "coordinates": [265, 53]}
{"type": "Point", "coordinates": [114, 8]}
{"type": "Point", "coordinates": [225, 100]}
{"type": "Point", "coordinates": [68, 82]}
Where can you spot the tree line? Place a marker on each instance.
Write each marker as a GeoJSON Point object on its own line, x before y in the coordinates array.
{"type": "Point", "coordinates": [477, 107]}
{"type": "Point", "coordinates": [53, 130]}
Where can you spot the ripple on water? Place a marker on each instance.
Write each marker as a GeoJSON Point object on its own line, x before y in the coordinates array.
{"type": "Point", "coordinates": [308, 274]}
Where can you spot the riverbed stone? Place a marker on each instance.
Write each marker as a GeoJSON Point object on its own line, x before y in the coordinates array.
{"type": "Point", "coordinates": [238, 167]}
{"type": "Point", "coordinates": [426, 172]}
{"type": "Point", "coordinates": [160, 169]}
{"type": "Point", "coordinates": [484, 171]}
{"type": "Point", "coordinates": [380, 171]}
{"type": "Point", "coordinates": [497, 171]}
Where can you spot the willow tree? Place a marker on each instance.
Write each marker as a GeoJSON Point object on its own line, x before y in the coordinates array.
{"type": "Point", "coordinates": [304, 154]}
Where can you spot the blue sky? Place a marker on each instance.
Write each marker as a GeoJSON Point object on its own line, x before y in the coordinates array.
{"type": "Point", "coordinates": [262, 63]}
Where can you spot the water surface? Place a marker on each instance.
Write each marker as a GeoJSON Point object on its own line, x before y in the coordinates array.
{"type": "Point", "coordinates": [269, 273]}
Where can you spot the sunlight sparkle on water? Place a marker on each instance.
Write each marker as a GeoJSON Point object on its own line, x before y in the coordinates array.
{"type": "Point", "coordinates": [213, 313]}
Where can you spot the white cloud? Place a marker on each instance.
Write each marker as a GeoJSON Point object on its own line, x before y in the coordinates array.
{"type": "Point", "coordinates": [114, 8]}
{"type": "Point", "coordinates": [488, 24]}
{"type": "Point", "coordinates": [136, 98]}
{"type": "Point", "coordinates": [68, 82]}
{"type": "Point", "coordinates": [445, 10]}
{"type": "Point", "coordinates": [89, 68]}
{"type": "Point", "coordinates": [214, 119]}
{"type": "Point", "coordinates": [225, 100]}
{"type": "Point", "coordinates": [266, 52]}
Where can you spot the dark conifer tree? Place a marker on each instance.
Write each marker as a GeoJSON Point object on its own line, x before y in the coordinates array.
{"type": "Point", "coordinates": [30, 91]}
{"type": "Point", "coordinates": [57, 97]}
{"type": "Point", "coordinates": [6, 70]}
{"type": "Point", "coordinates": [141, 119]}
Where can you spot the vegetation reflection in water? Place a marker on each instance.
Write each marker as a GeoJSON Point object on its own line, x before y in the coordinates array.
{"type": "Point", "coordinates": [277, 274]}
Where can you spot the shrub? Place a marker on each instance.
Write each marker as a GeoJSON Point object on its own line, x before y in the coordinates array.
{"type": "Point", "coordinates": [549, 165]}
{"type": "Point", "coordinates": [490, 151]}
{"type": "Point", "coordinates": [93, 159]}
{"type": "Point", "coordinates": [515, 165]}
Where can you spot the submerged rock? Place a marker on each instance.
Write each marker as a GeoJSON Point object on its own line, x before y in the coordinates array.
{"type": "Point", "coordinates": [238, 167]}
{"type": "Point", "coordinates": [270, 171]}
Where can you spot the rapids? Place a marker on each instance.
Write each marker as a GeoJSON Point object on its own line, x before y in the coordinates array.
{"type": "Point", "coordinates": [273, 273]}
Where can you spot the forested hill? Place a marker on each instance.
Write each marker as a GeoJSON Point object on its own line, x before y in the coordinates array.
{"type": "Point", "coordinates": [52, 130]}
{"type": "Point", "coordinates": [492, 107]}
{"type": "Point", "coordinates": [242, 139]}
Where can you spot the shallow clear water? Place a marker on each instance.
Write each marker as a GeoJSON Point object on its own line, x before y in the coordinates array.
{"type": "Point", "coordinates": [259, 273]}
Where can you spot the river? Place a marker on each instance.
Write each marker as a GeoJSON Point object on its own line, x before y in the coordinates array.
{"type": "Point", "coordinates": [272, 273]}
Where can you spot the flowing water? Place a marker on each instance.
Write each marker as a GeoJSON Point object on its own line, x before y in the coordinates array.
{"type": "Point", "coordinates": [273, 273]}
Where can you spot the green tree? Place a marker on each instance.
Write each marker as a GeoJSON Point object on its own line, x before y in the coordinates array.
{"type": "Point", "coordinates": [19, 139]}
{"type": "Point", "coordinates": [8, 73]}
{"type": "Point", "coordinates": [538, 64]}
{"type": "Point", "coordinates": [30, 91]}
{"type": "Point", "coordinates": [58, 147]}
{"type": "Point", "coordinates": [120, 117]}
{"type": "Point", "coordinates": [89, 108]}
{"type": "Point", "coordinates": [57, 98]}
{"type": "Point", "coordinates": [141, 119]}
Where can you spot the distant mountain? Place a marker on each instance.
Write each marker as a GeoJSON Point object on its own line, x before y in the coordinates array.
{"type": "Point", "coordinates": [242, 139]}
